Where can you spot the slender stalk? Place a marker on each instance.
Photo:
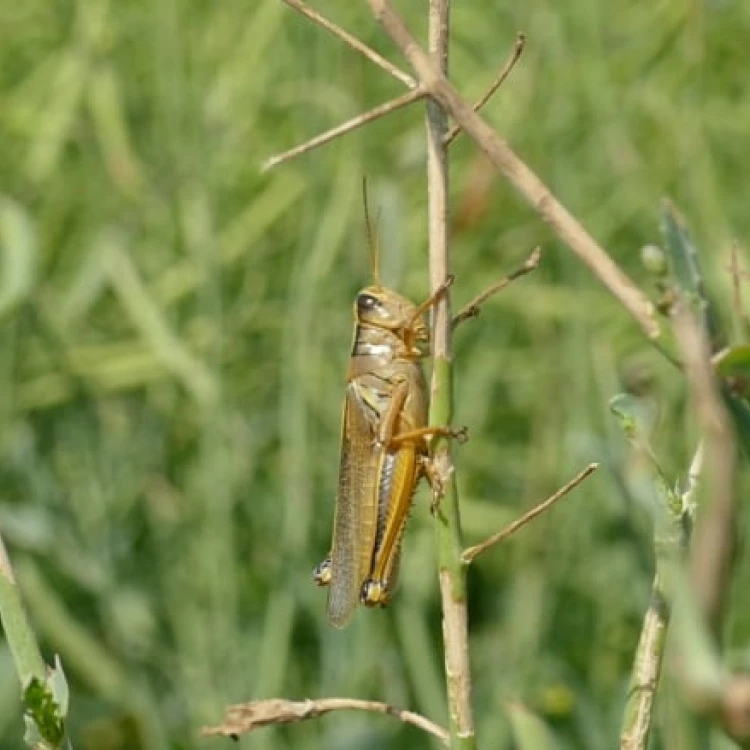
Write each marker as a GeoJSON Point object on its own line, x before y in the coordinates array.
{"type": "Point", "coordinates": [452, 575]}
{"type": "Point", "coordinates": [346, 127]}
{"type": "Point", "coordinates": [353, 42]}
{"type": "Point", "coordinates": [471, 310]}
{"type": "Point", "coordinates": [42, 688]}
{"type": "Point", "coordinates": [505, 71]}
{"type": "Point", "coordinates": [468, 556]}
{"type": "Point", "coordinates": [21, 639]}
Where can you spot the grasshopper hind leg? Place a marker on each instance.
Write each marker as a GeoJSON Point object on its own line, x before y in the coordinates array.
{"type": "Point", "coordinates": [375, 593]}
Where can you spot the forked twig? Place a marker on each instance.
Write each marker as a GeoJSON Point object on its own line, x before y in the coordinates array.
{"type": "Point", "coordinates": [507, 162]}
{"type": "Point", "coordinates": [469, 554]}
{"type": "Point", "coordinates": [508, 66]}
{"type": "Point", "coordinates": [471, 310]}
{"type": "Point", "coordinates": [353, 42]}
{"type": "Point", "coordinates": [243, 718]}
{"type": "Point", "coordinates": [345, 127]}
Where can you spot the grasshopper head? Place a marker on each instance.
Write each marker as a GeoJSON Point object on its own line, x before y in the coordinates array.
{"type": "Point", "coordinates": [387, 310]}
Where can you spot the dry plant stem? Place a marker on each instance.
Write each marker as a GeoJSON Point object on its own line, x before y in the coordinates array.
{"type": "Point", "coordinates": [471, 310]}
{"type": "Point", "coordinates": [452, 576]}
{"type": "Point", "coordinates": [508, 66]}
{"type": "Point", "coordinates": [243, 718]}
{"type": "Point", "coordinates": [353, 42]}
{"type": "Point", "coordinates": [646, 671]}
{"type": "Point", "coordinates": [345, 127]}
{"type": "Point", "coordinates": [568, 228]}
{"type": "Point", "coordinates": [713, 536]}
{"type": "Point", "coordinates": [470, 553]}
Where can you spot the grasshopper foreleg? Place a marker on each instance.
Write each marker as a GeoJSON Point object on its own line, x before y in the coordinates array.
{"type": "Point", "coordinates": [423, 434]}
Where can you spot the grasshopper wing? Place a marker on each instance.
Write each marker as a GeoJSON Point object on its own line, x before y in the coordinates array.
{"type": "Point", "coordinates": [355, 521]}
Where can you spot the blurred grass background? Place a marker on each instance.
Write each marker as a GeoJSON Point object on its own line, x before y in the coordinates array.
{"type": "Point", "coordinates": [174, 331]}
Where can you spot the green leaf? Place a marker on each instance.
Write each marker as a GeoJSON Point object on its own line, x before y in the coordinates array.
{"type": "Point", "coordinates": [683, 255]}
{"type": "Point", "coordinates": [686, 274]}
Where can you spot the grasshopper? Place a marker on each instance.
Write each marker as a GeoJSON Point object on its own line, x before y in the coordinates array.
{"type": "Point", "coordinates": [384, 447]}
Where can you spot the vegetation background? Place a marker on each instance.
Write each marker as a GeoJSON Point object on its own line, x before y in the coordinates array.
{"type": "Point", "coordinates": [174, 330]}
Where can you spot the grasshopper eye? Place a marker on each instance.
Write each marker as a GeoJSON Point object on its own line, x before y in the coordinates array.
{"type": "Point", "coordinates": [367, 303]}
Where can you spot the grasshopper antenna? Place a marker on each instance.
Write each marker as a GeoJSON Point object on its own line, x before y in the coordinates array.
{"type": "Point", "coordinates": [372, 239]}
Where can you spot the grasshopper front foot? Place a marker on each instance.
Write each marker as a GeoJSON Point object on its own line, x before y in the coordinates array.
{"type": "Point", "coordinates": [438, 470]}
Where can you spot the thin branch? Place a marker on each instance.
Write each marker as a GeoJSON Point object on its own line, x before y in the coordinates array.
{"type": "Point", "coordinates": [471, 553]}
{"type": "Point", "coordinates": [345, 127]}
{"type": "Point", "coordinates": [712, 548]}
{"type": "Point", "coordinates": [451, 574]}
{"type": "Point", "coordinates": [243, 718]}
{"type": "Point", "coordinates": [505, 71]}
{"type": "Point", "coordinates": [538, 195]}
{"type": "Point", "coordinates": [471, 310]}
{"type": "Point", "coordinates": [353, 42]}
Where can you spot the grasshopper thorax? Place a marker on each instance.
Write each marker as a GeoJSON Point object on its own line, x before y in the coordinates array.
{"type": "Point", "coordinates": [385, 310]}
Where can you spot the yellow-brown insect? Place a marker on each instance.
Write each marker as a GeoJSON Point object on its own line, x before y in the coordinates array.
{"type": "Point", "coordinates": [383, 448]}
